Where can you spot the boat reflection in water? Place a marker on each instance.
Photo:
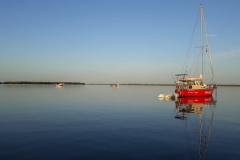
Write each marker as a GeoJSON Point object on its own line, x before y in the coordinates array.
{"type": "Point", "coordinates": [195, 105]}
{"type": "Point", "coordinates": [198, 112]}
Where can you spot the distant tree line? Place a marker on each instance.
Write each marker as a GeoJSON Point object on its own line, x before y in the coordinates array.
{"type": "Point", "coordinates": [32, 82]}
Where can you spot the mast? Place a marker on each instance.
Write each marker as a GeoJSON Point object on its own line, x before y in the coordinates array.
{"type": "Point", "coordinates": [201, 46]}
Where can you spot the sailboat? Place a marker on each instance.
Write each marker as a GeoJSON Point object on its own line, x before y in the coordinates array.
{"type": "Point", "coordinates": [59, 84]}
{"type": "Point", "coordinates": [191, 86]}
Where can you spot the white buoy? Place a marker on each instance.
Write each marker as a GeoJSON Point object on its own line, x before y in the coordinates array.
{"type": "Point", "coordinates": [161, 95]}
{"type": "Point", "coordinates": [168, 97]}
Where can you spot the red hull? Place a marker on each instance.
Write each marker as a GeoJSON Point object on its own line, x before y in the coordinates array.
{"type": "Point", "coordinates": [194, 92]}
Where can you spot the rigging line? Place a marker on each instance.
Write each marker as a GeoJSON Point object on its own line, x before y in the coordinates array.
{"type": "Point", "coordinates": [200, 138]}
{"type": "Point", "coordinates": [209, 132]}
{"type": "Point", "coordinates": [195, 128]}
{"type": "Point", "coordinates": [204, 68]}
{"type": "Point", "coordinates": [190, 42]}
{"type": "Point", "coordinates": [173, 78]}
{"type": "Point", "coordinates": [208, 49]}
{"type": "Point", "coordinates": [187, 138]}
{"type": "Point", "coordinates": [193, 124]}
{"type": "Point", "coordinates": [173, 113]}
{"type": "Point", "coordinates": [194, 68]}
{"type": "Point", "coordinates": [195, 64]}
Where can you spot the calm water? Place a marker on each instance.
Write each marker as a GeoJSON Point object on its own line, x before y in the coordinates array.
{"type": "Point", "coordinates": [102, 122]}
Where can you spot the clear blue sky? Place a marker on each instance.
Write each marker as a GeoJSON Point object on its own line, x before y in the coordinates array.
{"type": "Point", "coordinates": [113, 41]}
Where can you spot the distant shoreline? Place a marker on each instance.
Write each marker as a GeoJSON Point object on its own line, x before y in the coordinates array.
{"type": "Point", "coordinates": [35, 82]}
{"type": "Point", "coordinates": [81, 83]}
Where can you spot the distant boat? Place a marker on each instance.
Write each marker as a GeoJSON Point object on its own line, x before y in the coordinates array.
{"type": "Point", "coordinates": [114, 85]}
{"type": "Point", "coordinates": [59, 85]}
{"type": "Point", "coordinates": [194, 86]}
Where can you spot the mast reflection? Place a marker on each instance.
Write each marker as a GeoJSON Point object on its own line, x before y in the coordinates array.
{"type": "Point", "coordinates": [191, 107]}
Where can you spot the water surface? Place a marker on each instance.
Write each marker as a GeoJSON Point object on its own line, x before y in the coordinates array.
{"type": "Point", "coordinates": [103, 122]}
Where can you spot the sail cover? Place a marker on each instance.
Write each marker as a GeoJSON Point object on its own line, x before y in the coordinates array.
{"type": "Point", "coordinates": [185, 79]}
